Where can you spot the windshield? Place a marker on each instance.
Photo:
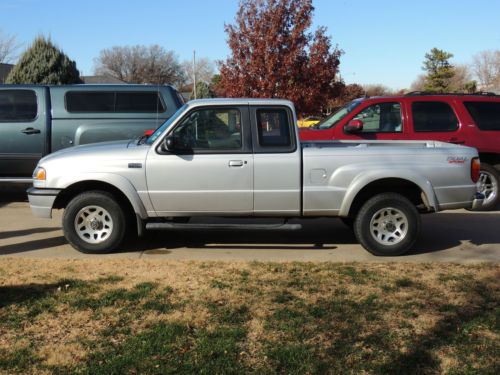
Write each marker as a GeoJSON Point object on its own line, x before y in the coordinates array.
{"type": "Point", "coordinates": [153, 137]}
{"type": "Point", "coordinates": [339, 115]}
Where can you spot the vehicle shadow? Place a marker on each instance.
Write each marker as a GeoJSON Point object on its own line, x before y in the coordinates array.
{"type": "Point", "coordinates": [41, 244]}
{"type": "Point", "coordinates": [438, 233]}
{"type": "Point", "coordinates": [26, 232]}
{"type": "Point", "coordinates": [13, 193]}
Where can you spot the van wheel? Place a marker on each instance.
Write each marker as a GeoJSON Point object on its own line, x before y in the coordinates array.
{"type": "Point", "coordinates": [387, 225]}
{"type": "Point", "coordinates": [94, 223]}
{"type": "Point", "coordinates": [488, 184]}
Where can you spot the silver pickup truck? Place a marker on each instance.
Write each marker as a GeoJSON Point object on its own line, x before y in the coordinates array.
{"type": "Point", "coordinates": [243, 158]}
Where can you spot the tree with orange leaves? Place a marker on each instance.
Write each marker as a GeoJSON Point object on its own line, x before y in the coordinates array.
{"type": "Point", "coordinates": [275, 55]}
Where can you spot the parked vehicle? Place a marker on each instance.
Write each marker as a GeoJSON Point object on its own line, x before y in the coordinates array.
{"type": "Point", "coordinates": [38, 120]}
{"type": "Point", "coordinates": [471, 120]}
{"type": "Point", "coordinates": [308, 121]}
{"type": "Point", "coordinates": [241, 157]}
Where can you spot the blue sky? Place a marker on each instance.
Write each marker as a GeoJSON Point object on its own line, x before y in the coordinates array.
{"type": "Point", "coordinates": [384, 40]}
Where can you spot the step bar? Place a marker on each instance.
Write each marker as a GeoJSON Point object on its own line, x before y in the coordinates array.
{"type": "Point", "coordinates": [16, 180]}
{"type": "Point", "coordinates": [188, 226]}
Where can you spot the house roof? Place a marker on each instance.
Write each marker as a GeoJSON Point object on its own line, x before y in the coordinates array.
{"type": "Point", "coordinates": [102, 79]}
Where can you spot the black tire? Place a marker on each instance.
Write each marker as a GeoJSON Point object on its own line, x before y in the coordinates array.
{"type": "Point", "coordinates": [489, 183]}
{"type": "Point", "coordinates": [400, 212]}
{"type": "Point", "coordinates": [109, 224]}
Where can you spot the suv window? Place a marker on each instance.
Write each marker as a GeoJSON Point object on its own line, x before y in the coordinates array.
{"type": "Point", "coordinates": [486, 115]}
{"type": "Point", "coordinates": [18, 105]}
{"type": "Point", "coordinates": [273, 128]}
{"type": "Point", "coordinates": [210, 129]}
{"type": "Point", "coordinates": [114, 102]}
{"type": "Point", "coordinates": [381, 118]}
{"type": "Point", "coordinates": [433, 117]}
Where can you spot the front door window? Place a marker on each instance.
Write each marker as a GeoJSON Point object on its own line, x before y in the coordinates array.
{"type": "Point", "coordinates": [381, 118]}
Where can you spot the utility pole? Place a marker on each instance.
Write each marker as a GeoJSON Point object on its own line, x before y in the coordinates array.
{"type": "Point", "coordinates": [194, 73]}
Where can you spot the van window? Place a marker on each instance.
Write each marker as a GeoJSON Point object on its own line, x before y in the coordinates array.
{"type": "Point", "coordinates": [486, 115]}
{"type": "Point", "coordinates": [433, 117]}
{"type": "Point", "coordinates": [114, 102]}
{"type": "Point", "coordinates": [17, 105]}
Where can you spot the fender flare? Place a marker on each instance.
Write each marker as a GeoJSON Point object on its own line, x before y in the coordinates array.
{"type": "Point", "coordinates": [117, 181]}
{"type": "Point", "coordinates": [365, 178]}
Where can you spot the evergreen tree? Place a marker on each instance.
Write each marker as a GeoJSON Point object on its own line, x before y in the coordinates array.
{"type": "Point", "coordinates": [439, 71]}
{"type": "Point", "coordinates": [44, 63]}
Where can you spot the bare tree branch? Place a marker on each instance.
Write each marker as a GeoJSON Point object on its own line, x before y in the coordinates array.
{"type": "Point", "coordinates": [8, 48]}
{"type": "Point", "coordinates": [205, 70]}
{"type": "Point", "coordinates": [486, 67]}
{"type": "Point", "coordinates": [140, 64]}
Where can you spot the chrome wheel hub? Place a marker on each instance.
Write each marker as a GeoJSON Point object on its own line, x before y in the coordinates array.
{"type": "Point", "coordinates": [389, 226]}
{"type": "Point", "coordinates": [93, 224]}
{"type": "Point", "coordinates": [488, 186]}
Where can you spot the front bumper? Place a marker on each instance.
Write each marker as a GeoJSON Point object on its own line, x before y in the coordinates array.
{"type": "Point", "coordinates": [477, 202]}
{"type": "Point", "coordinates": [41, 201]}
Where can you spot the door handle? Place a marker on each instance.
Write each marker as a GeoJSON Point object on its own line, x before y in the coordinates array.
{"type": "Point", "coordinates": [236, 163]}
{"type": "Point", "coordinates": [30, 131]}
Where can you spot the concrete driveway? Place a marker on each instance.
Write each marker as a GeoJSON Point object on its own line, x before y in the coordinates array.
{"type": "Point", "coordinates": [452, 236]}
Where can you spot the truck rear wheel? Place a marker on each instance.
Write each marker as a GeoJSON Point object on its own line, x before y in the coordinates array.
{"type": "Point", "coordinates": [488, 184]}
{"type": "Point", "coordinates": [387, 225]}
{"type": "Point", "coordinates": [93, 222]}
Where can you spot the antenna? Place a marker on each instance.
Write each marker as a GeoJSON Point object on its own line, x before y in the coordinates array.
{"type": "Point", "coordinates": [157, 100]}
{"type": "Point", "coordinates": [194, 73]}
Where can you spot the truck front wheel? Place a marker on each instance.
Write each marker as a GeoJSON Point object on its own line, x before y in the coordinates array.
{"type": "Point", "coordinates": [93, 222]}
{"type": "Point", "coordinates": [387, 224]}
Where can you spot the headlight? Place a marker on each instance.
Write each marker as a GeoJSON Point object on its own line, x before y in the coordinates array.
{"type": "Point", "coordinates": [39, 174]}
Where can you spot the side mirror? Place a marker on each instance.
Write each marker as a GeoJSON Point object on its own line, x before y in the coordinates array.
{"type": "Point", "coordinates": [147, 133]}
{"type": "Point", "coordinates": [175, 144]}
{"type": "Point", "coordinates": [169, 143]}
{"type": "Point", "coordinates": [354, 126]}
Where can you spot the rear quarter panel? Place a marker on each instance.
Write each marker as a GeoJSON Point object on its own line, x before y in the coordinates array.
{"type": "Point", "coordinates": [333, 174]}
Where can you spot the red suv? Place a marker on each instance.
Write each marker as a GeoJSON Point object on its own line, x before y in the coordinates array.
{"type": "Point", "coordinates": [471, 120]}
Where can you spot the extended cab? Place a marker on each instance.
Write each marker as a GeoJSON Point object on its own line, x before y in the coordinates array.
{"type": "Point", "coordinates": [242, 158]}
{"type": "Point", "coordinates": [37, 120]}
{"type": "Point", "coordinates": [471, 120]}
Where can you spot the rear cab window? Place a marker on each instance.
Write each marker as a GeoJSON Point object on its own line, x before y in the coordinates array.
{"type": "Point", "coordinates": [433, 116]}
{"type": "Point", "coordinates": [18, 105]}
{"type": "Point", "coordinates": [486, 115]}
{"type": "Point", "coordinates": [273, 131]}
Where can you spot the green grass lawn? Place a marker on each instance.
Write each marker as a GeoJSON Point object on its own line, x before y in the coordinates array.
{"type": "Point", "coordinates": [131, 317]}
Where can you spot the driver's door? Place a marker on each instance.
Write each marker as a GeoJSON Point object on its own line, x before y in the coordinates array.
{"type": "Point", "coordinates": [380, 121]}
{"type": "Point", "coordinates": [210, 169]}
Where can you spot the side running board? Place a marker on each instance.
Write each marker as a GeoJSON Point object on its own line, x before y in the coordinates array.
{"type": "Point", "coordinates": [188, 226]}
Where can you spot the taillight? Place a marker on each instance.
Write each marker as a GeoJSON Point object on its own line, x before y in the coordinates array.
{"type": "Point", "coordinates": [475, 169]}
